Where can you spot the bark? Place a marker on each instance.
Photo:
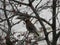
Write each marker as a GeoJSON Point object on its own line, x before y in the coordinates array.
{"type": "Point", "coordinates": [54, 41]}
{"type": "Point", "coordinates": [39, 19]}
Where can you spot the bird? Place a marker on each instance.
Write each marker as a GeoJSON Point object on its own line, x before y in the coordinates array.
{"type": "Point", "coordinates": [30, 27]}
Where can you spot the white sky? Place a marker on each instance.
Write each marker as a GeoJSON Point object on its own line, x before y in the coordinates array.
{"type": "Point", "coordinates": [46, 14]}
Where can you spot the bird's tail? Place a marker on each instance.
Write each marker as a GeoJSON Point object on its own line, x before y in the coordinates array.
{"type": "Point", "coordinates": [36, 33]}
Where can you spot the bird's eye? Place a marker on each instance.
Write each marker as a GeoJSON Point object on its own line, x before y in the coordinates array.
{"type": "Point", "coordinates": [23, 22]}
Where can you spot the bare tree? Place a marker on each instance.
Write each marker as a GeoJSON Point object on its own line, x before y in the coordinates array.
{"type": "Point", "coordinates": [21, 8]}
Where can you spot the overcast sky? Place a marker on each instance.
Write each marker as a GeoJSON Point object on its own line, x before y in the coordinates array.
{"type": "Point", "coordinates": [46, 14]}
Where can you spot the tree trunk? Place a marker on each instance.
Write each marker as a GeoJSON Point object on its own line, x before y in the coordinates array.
{"type": "Point", "coordinates": [54, 42]}
{"type": "Point", "coordinates": [54, 23]}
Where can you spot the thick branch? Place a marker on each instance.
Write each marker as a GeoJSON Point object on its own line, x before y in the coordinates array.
{"type": "Point", "coordinates": [20, 2]}
{"type": "Point", "coordinates": [3, 30]}
{"type": "Point", "coordinates": [39, 19]}
{"type": "Point", "coordinates": [8, 22]}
